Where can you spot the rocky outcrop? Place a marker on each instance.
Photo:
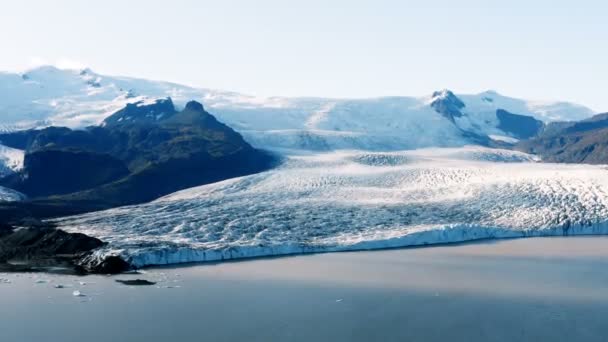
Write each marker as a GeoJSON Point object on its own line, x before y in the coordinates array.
{"type": "Point", "coordinates": [42, 247]}
{"type": "Point", "coordinates": [31, 246]}
{"type": "Point", "coordinates": [584, 141]}
{"type": "Point", "coordinates": [142, 113]}
{"type": "Point", "coordinates": [518, 126]}
{"type": "Point", "coordinates": [447, 104]}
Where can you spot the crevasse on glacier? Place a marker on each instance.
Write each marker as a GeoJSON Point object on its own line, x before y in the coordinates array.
{"type": "Point", "coordinates": [353, 200]}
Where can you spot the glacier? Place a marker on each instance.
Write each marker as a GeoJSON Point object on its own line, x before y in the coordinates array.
{"type": "Point", "coordinates": [357, 200]}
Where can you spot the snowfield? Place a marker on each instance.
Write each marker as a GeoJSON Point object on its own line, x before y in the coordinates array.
{"type": "Point", "coordinates": [77, 98]}
{"type": "Point", "coordinates": [355, 200]}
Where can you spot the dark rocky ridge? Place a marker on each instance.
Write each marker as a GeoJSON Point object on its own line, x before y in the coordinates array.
{"type": "Point", "coordinates": [140, 153]}
{"type": "Point", "coordinates": [33, 246]}
{"type": "Point", "coordinates": [447, 104]}
{"type": "Point", "coordinates": [584, 141]}
{"type": "Point", "coordinates": [519, 126]}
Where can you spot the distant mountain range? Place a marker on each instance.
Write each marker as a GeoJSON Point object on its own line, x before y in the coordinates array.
{"type": "Point", "coordinates": [79, 98]}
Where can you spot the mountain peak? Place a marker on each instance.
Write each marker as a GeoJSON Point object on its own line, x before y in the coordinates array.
{"type": "Point", "coordinates": [447, 104]}
{"type": "Point", "coordinates": [443, 93]}
{"type": "Point", "coordinates": [195, 106]}
{"type": "Point", "coordinates": [146, 111]}
{"type": "Point", "coordinates": [86, 71]}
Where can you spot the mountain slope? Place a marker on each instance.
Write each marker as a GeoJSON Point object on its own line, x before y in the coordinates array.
{"type": "Point", "coordinates": [48, 95]}
{"type": "Point", "coordinates": [128, 161]}
{"type": "Point", "coordinates": [56, 172]}
{"type": "Point", "coordinates": [584, 141]}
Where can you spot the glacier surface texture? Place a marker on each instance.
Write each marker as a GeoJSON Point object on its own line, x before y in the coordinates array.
{"type": "Point", "coordinates": [355, 200]}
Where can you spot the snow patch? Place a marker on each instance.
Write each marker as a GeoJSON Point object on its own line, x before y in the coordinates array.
{"type": "Point", "coordinates": [11, 160]}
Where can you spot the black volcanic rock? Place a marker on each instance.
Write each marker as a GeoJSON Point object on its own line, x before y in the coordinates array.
{"type": "Point", "coordinates": [42, 247]}
{"type": "Point", "coordinates": [36, 246]}
{"type": "Point", "coordinates": [519, 126]}
{"type": "Point", "coordinates": [135, 282]}
{"type": "Point", "coordinates": [110, 265]}
{"type": "Point", "coordinates": [447, 104]}
{"type": "Point", "coordinates": [28, 243]}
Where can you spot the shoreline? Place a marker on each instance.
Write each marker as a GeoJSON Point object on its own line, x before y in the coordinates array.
{"type": "Point", "coordinates": [91, 263]}
{"type": "Point", "coordinates": [511, 289]}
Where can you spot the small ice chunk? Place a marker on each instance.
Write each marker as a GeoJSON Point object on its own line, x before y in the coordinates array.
{"type": "Point", "coordinates": [78, 294]}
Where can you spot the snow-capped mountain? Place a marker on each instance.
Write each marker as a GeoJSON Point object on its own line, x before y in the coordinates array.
{"type": "Point", "coordinates": [335, 190]}
{"type": "Point", "coordinates": [349, 200]}
{"type": "Point", "coordinates": [77, 98]}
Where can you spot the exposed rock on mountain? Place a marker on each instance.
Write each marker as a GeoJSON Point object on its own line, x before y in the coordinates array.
{"type": "Point", "coordinates": [55, 172]}
{"type": "Point", "coordinates": [447, 104]}
{"type": "Point", "coordinates": [39, 247]}
{"type": "Point", "coordinates": [572, 142]}
{"type": "Point", "coordinates": [519, 126]}
{"type": "Point", "coordinates": [139, 113]}
{"type": "Point", "coordinates": [136, 156]}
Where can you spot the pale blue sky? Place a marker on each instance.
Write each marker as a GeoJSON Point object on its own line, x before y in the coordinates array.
{"type": "Point", "coordinates": [343, 48]}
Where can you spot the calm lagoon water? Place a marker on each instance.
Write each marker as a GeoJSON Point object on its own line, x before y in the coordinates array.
{"type": "Point", "coordinates": [507, 290]}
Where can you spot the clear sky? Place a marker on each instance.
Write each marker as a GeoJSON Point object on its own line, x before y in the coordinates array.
{"type": "Point", "coordinates": [537, 49]}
